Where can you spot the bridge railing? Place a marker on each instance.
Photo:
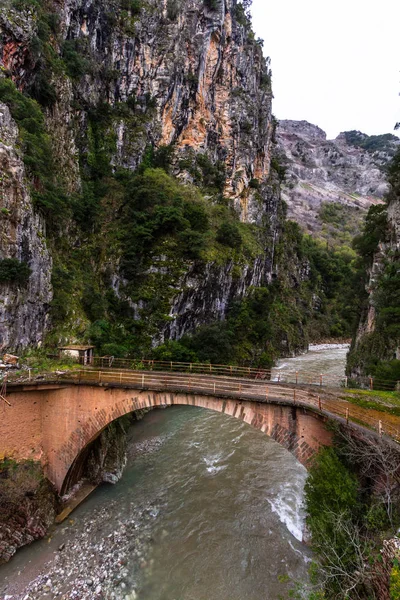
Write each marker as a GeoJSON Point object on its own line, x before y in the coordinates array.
{"type": "Point", "coordinates": [277, 375]}
{"type": "Point", "coordinates": [254, 390]}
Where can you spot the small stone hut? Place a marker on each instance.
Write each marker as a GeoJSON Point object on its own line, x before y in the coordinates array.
{"type": "Point", "coordinates": [82, 354]}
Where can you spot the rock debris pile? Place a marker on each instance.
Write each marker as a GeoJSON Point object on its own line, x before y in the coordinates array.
{"type": "Point", "coordinates": [92, 562]}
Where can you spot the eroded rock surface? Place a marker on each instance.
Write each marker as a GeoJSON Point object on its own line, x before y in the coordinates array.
{"type": "Point", "coordinates": [23, 307]}
{"type": "Point", "coordinates": [327, 171]}
{"type": "Point", "coordinates": [28, 505]}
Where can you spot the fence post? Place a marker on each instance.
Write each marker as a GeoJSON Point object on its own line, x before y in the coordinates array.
{"type": "Point", "coordinates": [240, 388]}
{"type": "Point", "coordinates": [380, 428]}
{"type": "Point", "coordinates": [279, 377]}
{"type": "Point", "coordinates": [99, 375]}
{"type": "Point", "coordinates": [266, 393]}
{"type": "Point", "coordinates": [120, 377]}
{"type": "Point", "coordinates": [29, 371]}
{"type": "Point", "coordinates": [294, 396]}
{"type": "Point", "coordinates": [347, 416]}
{"type": "Point", "coordinates": [210, 368]}
{"type": "Point", "coordinates": [214, 387]}
{"type": "Point", "coordinates": [142, 380]}
{"type": "Point", "coordinates": [346, 381]}
{"type": "Point", "coordinates": [371, 383]}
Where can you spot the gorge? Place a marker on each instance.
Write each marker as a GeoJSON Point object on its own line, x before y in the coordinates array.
{"type": "Point", "coordinates": [152, 206]}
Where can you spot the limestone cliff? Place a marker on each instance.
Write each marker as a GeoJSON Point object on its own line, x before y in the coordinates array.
{"type": "Point", "coordinates": [23, 305]}
{"type": "Point", "coordinates": [376, 345]}
{"type": "Point", "coordinates": [117, 80]}
{"type": "Point", "coordinates": [340, 172]}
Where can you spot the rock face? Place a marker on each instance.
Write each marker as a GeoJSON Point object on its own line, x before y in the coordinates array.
{"type": "Point", "coordinates": [327, 171]}
{"type": "Point", "coordinates": [23, 307]}
{"type": "Point", "coordinates": [187, 76]}
{"type": "Point", "coordinates": [106, 458]}
{"type": "Point", "coordinates": [378, 338]}
{"type": "Point", "coordinates": [28, 505]}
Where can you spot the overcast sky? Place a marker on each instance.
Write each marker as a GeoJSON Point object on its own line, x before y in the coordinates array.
{"type": "Point", "coordinates": [335, 64]}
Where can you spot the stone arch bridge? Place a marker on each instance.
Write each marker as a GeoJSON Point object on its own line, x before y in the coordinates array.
{"type": "Point", "coordinates": [54, 421]}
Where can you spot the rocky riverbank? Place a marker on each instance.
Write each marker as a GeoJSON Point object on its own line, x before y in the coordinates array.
{"type": "Point", "coordinates": [91, 563]}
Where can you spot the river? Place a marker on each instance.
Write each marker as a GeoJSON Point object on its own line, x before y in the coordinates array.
{"type": "Point", "coordinates": [326, 359]}
{"type": "Point", "coordinates": [208, 508]}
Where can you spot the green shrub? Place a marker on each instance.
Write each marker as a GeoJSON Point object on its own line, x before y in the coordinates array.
{"type": "Point", "coordinates": [116, 350]}
{"type": "Point", "coordinates": [366, 244]}
{"type": "Point", "coordinates": [159, 207]}
{"type": "Point", "coordinates": [135, 6]}
{"type": "Point", "coordinates": [76, 64]}
{"type": "Point", "coordinates": [254, 184]}
{"type": "Point", "coordinates": [174, 351]}
{"type": "Point", "coordinates": [395, 582]}
{"type": "Point", "coordinates": [14, 271]}
{"type": "Point", "coordinates": [387, 373]}
{"type": "Point", "coordinates": [228, 234]}
{"type": "Point", "coordinates": [173, 8]}
{"type": "Point", "coordinates": [37, 152]}
{"type": "Point", "coordinates": [278, 168]}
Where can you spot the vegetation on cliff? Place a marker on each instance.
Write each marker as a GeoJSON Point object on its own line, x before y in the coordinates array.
{"type": "Point", "coordinates": [373, 353]}
{"type": "Point", "coordinates": [385, 143]}
{"type": "Point", "coordinates": [146, 222]}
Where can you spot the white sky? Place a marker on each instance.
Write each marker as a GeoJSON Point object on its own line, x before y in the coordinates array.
{"type": "Point", "coordinates": [335, 64]}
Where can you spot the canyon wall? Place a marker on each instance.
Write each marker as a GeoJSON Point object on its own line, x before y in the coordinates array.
{"type": "Point", "coordinates": [115, 82]}
{"type": "Point", "coordinates": [338, 172]}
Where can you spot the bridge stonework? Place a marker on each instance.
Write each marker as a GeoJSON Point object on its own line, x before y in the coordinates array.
{"type": "Point", "coordinates": [54, 425]}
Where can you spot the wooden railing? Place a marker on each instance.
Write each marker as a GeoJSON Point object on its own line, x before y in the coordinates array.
{"type": "Point", "coordinates": [254, 390]}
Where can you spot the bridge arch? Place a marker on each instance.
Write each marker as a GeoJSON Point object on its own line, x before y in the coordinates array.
{"type": "Point", "coordinates": [89, 409]}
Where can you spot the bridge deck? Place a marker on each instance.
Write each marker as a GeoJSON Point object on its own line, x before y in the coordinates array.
{"type": "Point", "coordinates": [322, 400]}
